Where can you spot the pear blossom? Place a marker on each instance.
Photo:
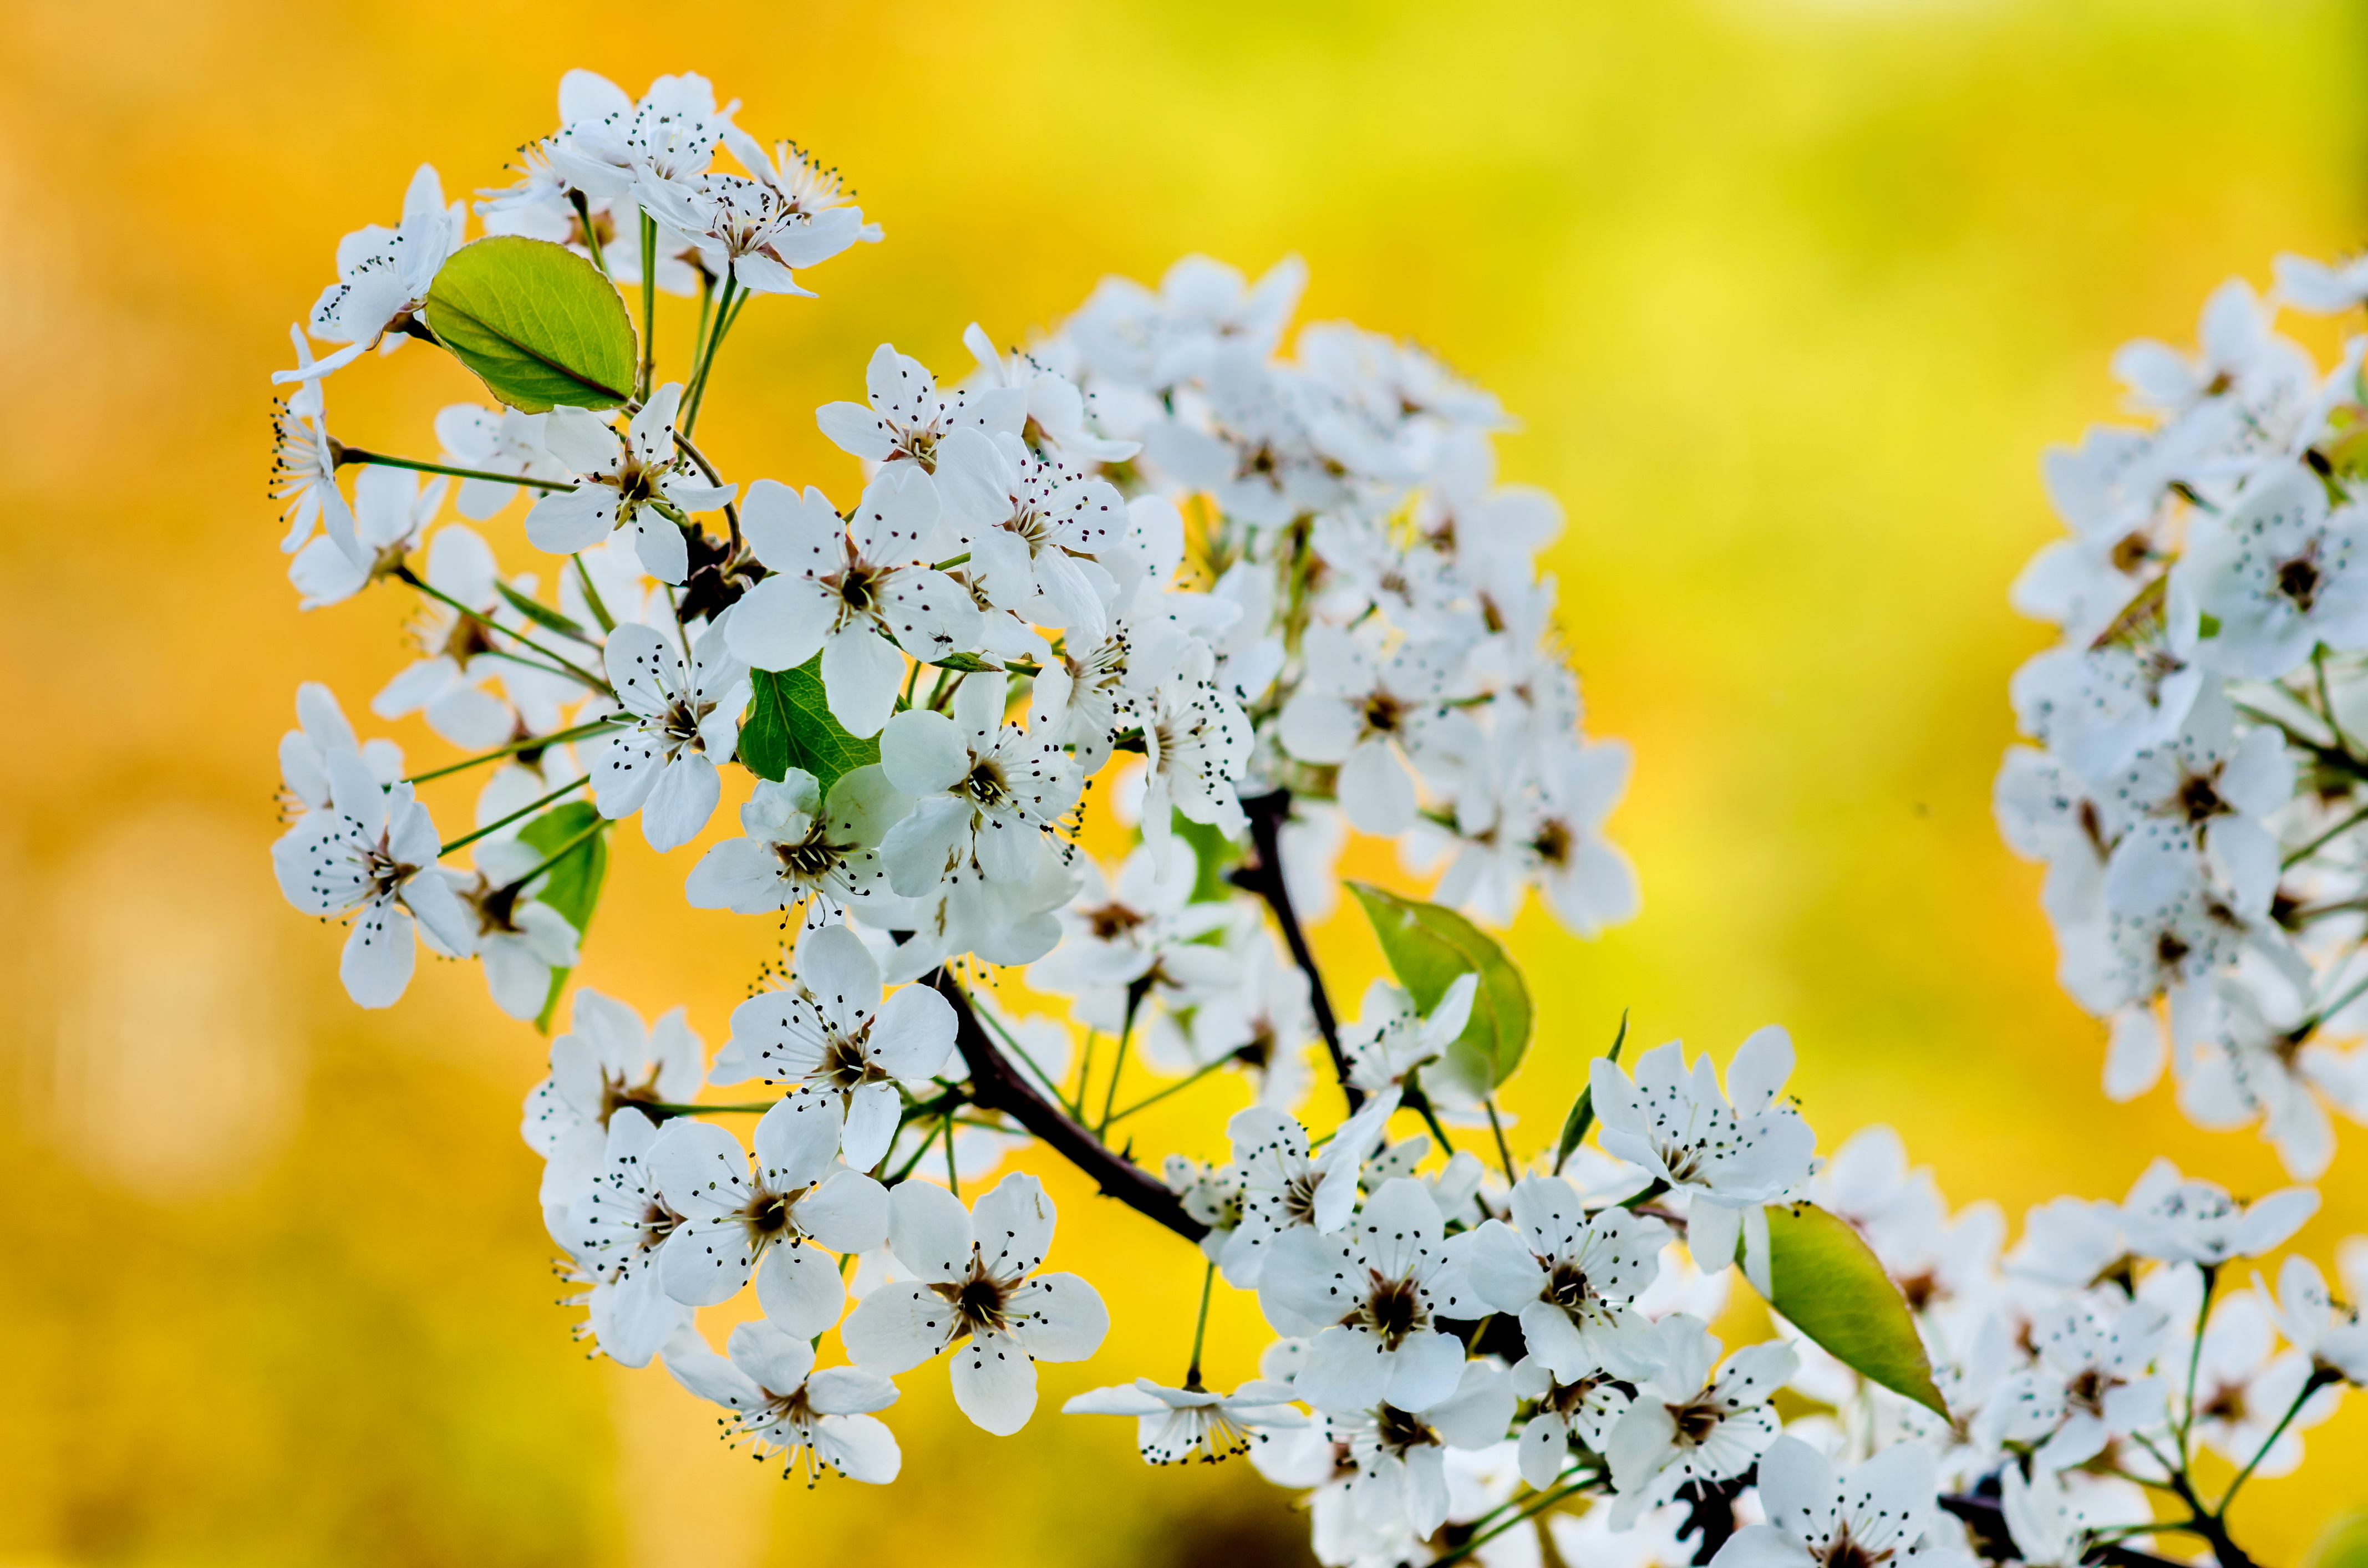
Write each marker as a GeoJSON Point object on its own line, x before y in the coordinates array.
{"type": "Point", "coordinates": [369, 541]}
{"type": "Point", "coordinates": [2091, 1385]}
{"type": "Point", "coordinates": [854, 591]}
{"type": "Point", "coordinates": [2196, 1222]}
{"type": "Point", "coordinates": [445, 687]}
{"type": "Point", "coordinates": [1689, 1426]}
{"type": "Point", "coordinates": [1400, 1453]}
{"type": "Point", "coordinates": [832, 1035]}
{"type": "Point", "coordinates": [784, 1406]}
{"type": "Point", "coordinates": [638, 481]}
{"type": "Point", "coordinates": [1569, 1276]}
{"type": "Point", "coordinates": [1372, 1295]}
{"type": "Point", "coordinates": [371, 855]}
{"type": "Point", "coordinates": [608, 1058]}
{"type": "Point", "coordinates": [986, 793]}
{"type": "Point", "coordinates": [304, 461]}
{"type": "Point", "coordinates": [748, 230]}
{"type": "Point", "coordinates": [615, 1231]}
{"type": "Point", "coordinates": [382, 277]}
{"type": "Point", "coordinates": [740, 1221]}
{"type": "Point", "coordinates": [1173, 1426]}
{"type": "Point", "coordinates": [1284, 1186]}
{"type": "Point", "coordinates": [1582, 1409]}
{"type": "Point", "coordinates": [687, 721]}
{"type": "Point", "coordinates": [491, 441]}
{"type": "Point", "coordinates": [978, 1291]}
{"type": "Point", "coordinates": [2330, 1333]}
{"type": "Point", "coordinates": [798, 847]}
{"type": "Point", "coordinates": [323, 731]}
{"type": "Point", "coordinates": [908, 420]}
{"type": "Point", "coordinates": [1728, 1156]}
{"type": "Point", "coordinates": [520, 940]}
{"type": "Point", "coordinates": [1818, 1519]}
{"type": "Point", "coordinates": [1374, 718]}
{"type": "Point", "coordinates": [1390, 1042]}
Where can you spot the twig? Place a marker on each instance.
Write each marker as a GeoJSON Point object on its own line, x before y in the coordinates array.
{"type": "Point", "coordinates": [1267, 814]}
{"type": "Point", "coordinates": [996, 1086]}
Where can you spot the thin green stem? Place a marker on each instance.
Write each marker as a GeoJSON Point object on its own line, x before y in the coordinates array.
{"type": "Point", "coordinates": [1529, 1510]}
{"type": "Point", "coordinates": [1419, 1103]}
{"type": "Point", "coordinates": [1134, 995]}
{"type": "Point", "coordinates": [2316, 845]}
{"type": "Point", "coordinates": [599, 825]}
{"type": "Point", "coordinates": [954, 1181]}
{"type": "Point", "coordinates": [2195, 1363]}
{"type": "Point", "coordinates": [591, 234]}
{"type": "Point", "coordinates": [912, 1164]}
{"type": "Point", "coordinates": [533, 743]}
{"type": "Point", "coordinates": [730, 508]}
{"type": "Point", "coordinates": [592, 597]}
{"type": "Point", "coordinates": [1084, 1068]}
{"type": "Point", "coordinates": [2319, 1378]}
{"type": "Point", "coordinates": [467, 838]}
{"type": "Point", "coordinates": [2326, 702]}
{"type": "Point", "coordinates": [1639, 1200]}
{"type": "Point", "coordinates": [1200, 1331]}
{"type": "Point", "coordinates": [725, 316]}
{"type": "Point", "coordinates": [1020, 1050]}
{"type": "Point", "coordinates": [649, 305]}
{"type": "Point", "coordinates": [523, 662]}
{"type": "Point", "coordinates": [405, 574]}
{"type": "Point", "coordinates": [1181, 1084]}
{"type": "Point", "coordinates": [380, 459]}
{"type": "Point", "coordinates": [1504, 1155]}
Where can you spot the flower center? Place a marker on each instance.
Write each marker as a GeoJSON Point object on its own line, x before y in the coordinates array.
{"type": "Point", "coordinates": [1843, 1552]}
{"type": "Point", "coordinates": [1566, 1286]}
{"type": "Point", "coordinates": [1392, 1309]}
{"type": "Point", "coordinates": [1112, 921]}
{"type": "Point", "coordinates": [984, 783]}
{"type": "Point", "coordinates": [981, 1302]}
{"type": "Point", "coordinates": [2299, 579]}
{"type": "Point", "coordinates": [1384, 713]}
{"type": "Point", "coordinates": [844, 1065]}
{"type": "Point", "coordinates": [2198, 799]}
{"type": "Point", "coordinates": [1399, 1431]}
{"type": "Point", "coordinates": [1696, 1422]}
{"type": "Point", "coordinates": [1552, 842]}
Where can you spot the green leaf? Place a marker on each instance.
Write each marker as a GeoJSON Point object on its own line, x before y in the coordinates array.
{"type": "Point", "coordinates": [1213, 855]}
{"type": "Point", "coordinates": [1826, 1279]}
{"type": "Point", "coordinates": [536, 321]}
{"type": "Point", "coordinates": [788, 725]}
{"type": "Point", "coordinates": [1429, 948]}
{"type": "Point", "coordinates": [1582, 1109]}
{"type": "Point", "coordinates": [540, 613]}
{"type": "Point", "coordinates": [2343, 1545]}
{"type": "Point", "coordinates": [573, 886]}
{"type": "Point", "coordinates": [969, 664]}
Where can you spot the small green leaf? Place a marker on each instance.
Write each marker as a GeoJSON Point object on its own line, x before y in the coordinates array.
{"type": "Point", "coordinates": [573, 886]}
{"type": "Point", "coordinates": [788, 725]}
{"type": "Point", "coordinates": [1213, 855]}
{"type": "Point", "coordinates": [969, 664]}
{"type": "Point", "coordinates": [1829, 1283]}
{"type": "Point", "coordinates": [2344, 1545]}
{"type": "Point", "coordinates": [1582, 1109]}
{"type": "Point", "coordinates": [536, 321]}
{"type": "Point", "coordinates": [540, 613]}
{"type": "Point", "coordinates": [1429, 948]}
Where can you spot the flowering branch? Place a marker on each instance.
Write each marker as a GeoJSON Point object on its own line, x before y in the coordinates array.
{"type": "Point", "coordinates": [996, 1086]}
{"type": "Point", "coordinates": [1263, 876]}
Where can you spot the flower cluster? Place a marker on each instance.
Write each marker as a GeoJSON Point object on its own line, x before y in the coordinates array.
{"type": "Point", "coordinates": [2197, 787]}
{"type": "Point", "coordinates": [1266, 591]}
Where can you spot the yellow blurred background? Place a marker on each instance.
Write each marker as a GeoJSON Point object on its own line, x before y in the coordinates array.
{"type": "Point", "coordinates": [1789, 293]}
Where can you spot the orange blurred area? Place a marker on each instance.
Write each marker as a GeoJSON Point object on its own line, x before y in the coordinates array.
{"type": "Point", "coordinates": [1788, 294]}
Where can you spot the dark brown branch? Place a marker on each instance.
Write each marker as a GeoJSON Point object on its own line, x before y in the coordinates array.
{"type": "Point", "coordinates": [1986, 1521]}
{"type": "Point", "coordinates": [1263, 877]}
{"type": "Point", "coordinates": [995, 1085]}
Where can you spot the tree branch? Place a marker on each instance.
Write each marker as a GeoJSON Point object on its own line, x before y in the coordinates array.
{"type": "Point", "coordinates": [1268, 813]}
{"type": "Point", "coordinates": [1987, 1520]}
{"type": "Point", "coordinates": [995, 1085]}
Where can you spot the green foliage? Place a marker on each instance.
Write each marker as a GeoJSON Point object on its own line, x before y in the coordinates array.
{"type": "Point", "coordinates": [1428, 948]}
{"type": "Point", "coordinates": [536, 321]}
{"type": "Point", "coordinates": [2344, 1545]}
{"type": "Point", "coordinates": [1826, 1279]}
{"type": "Point", "coordinates": [1213, 855]}
{"type": "Point", "coordinates": [788, 725]}
{"type": "Point", "coordinates": [1582, 1109]}
{"type": "Point", "coordinates": [573, 886]}
{"type": "Point", "coordinates": [536, 611]}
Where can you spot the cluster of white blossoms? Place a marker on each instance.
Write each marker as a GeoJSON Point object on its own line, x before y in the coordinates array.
{"type": "Point", "coordinates": [2198, 785]}
{"type": "Point", "coordinates": [1265, 599]}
